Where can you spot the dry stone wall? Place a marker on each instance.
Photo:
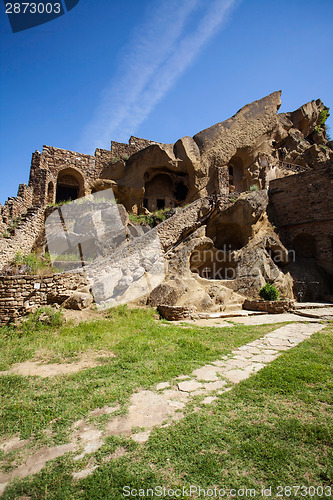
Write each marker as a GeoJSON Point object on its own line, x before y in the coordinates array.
{"type": "Point", "coordinates": [18, 294]}
{"type": "Point", "coordinates": [23, 239]}
{"type": "Point", "coordinates": [14, 207]}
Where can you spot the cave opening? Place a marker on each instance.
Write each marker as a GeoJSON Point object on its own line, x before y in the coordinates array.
{"type": "Point", "coordinates": [211, 263]}
{"type": "Point", "coordinates": [69, 185]}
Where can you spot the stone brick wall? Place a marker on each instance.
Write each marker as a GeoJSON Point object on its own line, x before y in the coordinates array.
{"type": "Point", "coordinates": [121, 150]}
{"type": "Point", "coordinates": [303, 203]}
{"type": "Point", "coordinates": [14, 207]}
{"type": "Point", "coordinates": [18, 293]}
{"type": "Point", "coordinates": [139, 143]}
{"type": "Point", "coordinates": [46, 166]}
{"type": "Point", "coordinates": [23, 239]}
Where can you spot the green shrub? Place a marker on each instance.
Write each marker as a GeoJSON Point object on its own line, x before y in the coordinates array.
{"type": "Point", "coordinates": [35, 263]}
{"type": "Point", "coordinates": [254, 187]}
{"type": "Point", "coordinates": [44, 316]}
{"type": "Point", "coordinates": [269, 292]}
{"type": "Point", "coordinates": [153, 218]}
{"type": "Point", "coordinates": [324, 114]}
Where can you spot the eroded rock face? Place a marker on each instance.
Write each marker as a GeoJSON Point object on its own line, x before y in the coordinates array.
{"type": "Point", "coordinates": [236, 248]}
{"type": "Point", "coordinates": [221, 247]}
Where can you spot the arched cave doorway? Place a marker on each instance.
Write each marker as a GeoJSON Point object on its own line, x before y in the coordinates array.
{"type": "Point", "coordinates": [237, 180]}
{"type": "Point", "coordinates": [304, 245]}
{"type": "Point", "coordinates": [159, 193]}
{"type": "Point", "coordinates": [218, 261]}
{"type": "Point", "coordinates": [211, 263]}
{"type": "Point", "coordinates": [70, 185]}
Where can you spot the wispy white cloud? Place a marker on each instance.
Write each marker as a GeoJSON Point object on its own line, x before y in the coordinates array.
{"type": "Point", "coordinates": [158, 54]}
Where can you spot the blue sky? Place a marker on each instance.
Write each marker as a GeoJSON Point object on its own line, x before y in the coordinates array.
{"type": "Point", "coordinates": [158, 69]}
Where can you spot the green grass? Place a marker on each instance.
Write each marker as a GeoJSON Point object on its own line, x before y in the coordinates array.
{"type": "Point", "coordinates": [35, 264]}
{"type": "Point", "coordinates": [272, 429]}
{"type": "Point", "coordinates": [152, 219]}
{"type": "Point", "coordinates": [146, 353]}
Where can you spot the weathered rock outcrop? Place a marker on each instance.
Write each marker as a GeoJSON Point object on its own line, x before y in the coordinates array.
{"type": "Point", "coordinates": [220, 246]}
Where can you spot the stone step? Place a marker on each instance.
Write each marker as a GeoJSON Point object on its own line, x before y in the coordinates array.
{"type": "Point", "coordinates": [311, 305]}
{"type": "Point", "coordinates": [229, 314]}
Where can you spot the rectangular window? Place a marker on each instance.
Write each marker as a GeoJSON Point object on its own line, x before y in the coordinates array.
{"type": "Point", "coordinates": [160, 203]}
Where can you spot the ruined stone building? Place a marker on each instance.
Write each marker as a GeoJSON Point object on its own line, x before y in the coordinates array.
{"type": "Point", "coordinates": [258, 186]}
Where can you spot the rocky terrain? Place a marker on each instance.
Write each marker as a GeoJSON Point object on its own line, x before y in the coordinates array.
{"type": "Point", "coordinates": [247, 201]}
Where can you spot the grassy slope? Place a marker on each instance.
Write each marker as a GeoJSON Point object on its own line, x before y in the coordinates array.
{"type": "Point", "coordinates": [146, 353]}
{"type": "Point", "coordinates": [273, 429]}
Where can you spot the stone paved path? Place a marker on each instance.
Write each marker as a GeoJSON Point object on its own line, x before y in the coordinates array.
{"type": "Point", "coordinates": [149, 409]}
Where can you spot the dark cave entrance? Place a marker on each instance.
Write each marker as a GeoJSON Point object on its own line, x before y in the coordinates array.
{"type": "Point", "coordinates": [181, 192]}
{"type": "Point", "coordinates": [70, 185]}
{"type": "Point", "coordinates": [160, 203]}
{"type": "Point", "coordinates": [66, 193]}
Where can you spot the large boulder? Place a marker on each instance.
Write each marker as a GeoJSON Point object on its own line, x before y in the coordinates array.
{"type": "Point", "coordinates": [167, 293]}
{"type": "Point", "coordinates": [78, 301]}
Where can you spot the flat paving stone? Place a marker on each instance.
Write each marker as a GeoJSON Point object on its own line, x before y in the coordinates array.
{"type": "Point", "coordinates": [182, 377]}
{"type": "Point", "coordinates": [189, 386]}
{"type": "Point", "coordinates": [254, 367]}
{"type": "Point", "coordinates": [213, 386]}
{"type": "Point", "coordinates": [237, 363]}
{"type": "Point", "coordinates": [208, 400]}
{"type": "Point", "coordinates": [207, 372]}
{"type": "Point", "coordinates": [264, 358]}
{"type": "Point", "coordinates": [277, 341]}
{"type": "Point", "coordinates": [220, 362]}
{"type": "Point", "coordinates": [249, 348]}
{"type": "Point", "coordinates": [141, 437]}
{"type": "Point", "coordinates": [318, 313]}
{"type": "Point", "coordinates": [312, 305]}
{"type": "Point", "coordinates": [268, 319]}
{"type": "Point", "coordinates": [243, 356]}
{"type": "Point", "coordinates": [236, 376]}
{"type": "Point", "coordinates": [176, 404]}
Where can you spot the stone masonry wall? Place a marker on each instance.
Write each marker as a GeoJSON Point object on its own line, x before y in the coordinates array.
{"type": "Point", "coordinates": [46, 166]}
{"type": "Point", "coordinates": [120, 149]}
{"type": "Point", "coordinates": [23, 239]}
{"type": "Point", "coordinates": [17, 293]}
{"type": "Point", "coordinates": [303, 203]}
{"type": "Point", "coordinates": [14, 207]}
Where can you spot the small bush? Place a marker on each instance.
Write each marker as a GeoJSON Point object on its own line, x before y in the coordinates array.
{"type": "Point", "coordinates": [324, 114]}
{"type": "Point", "coordinates": [154, 218]}
{"type": "Point", "coordinates": [254, 187]}
{"type": "Point", "coordinates": [31, 264]}
{"type": "Point", "coordinates": [269, 292]}
{"type": "Point", "coordinates": [44, 316]}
